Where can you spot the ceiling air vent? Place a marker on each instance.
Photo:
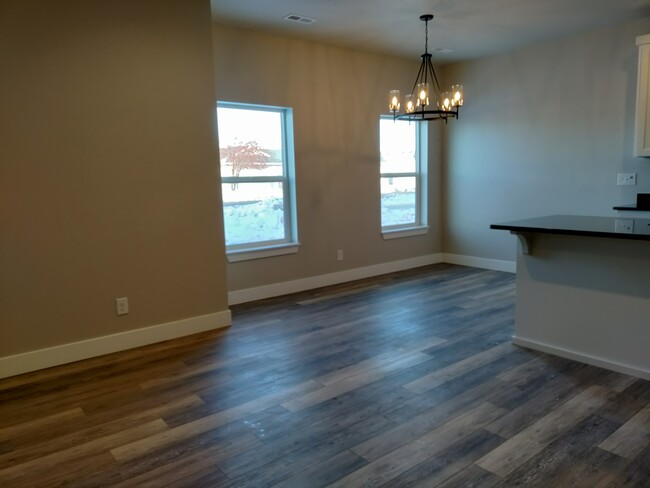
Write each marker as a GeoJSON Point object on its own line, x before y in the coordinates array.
{"type": "Point", "coordinates": [300, 19]}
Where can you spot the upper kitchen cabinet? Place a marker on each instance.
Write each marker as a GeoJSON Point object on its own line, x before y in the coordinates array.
{"type": "Point", "coordinates": [642, 133]}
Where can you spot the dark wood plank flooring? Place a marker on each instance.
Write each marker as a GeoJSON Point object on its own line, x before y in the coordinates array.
{"type": "Point", "coordinates": [407, 379]}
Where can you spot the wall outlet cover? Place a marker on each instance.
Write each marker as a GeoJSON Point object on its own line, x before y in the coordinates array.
{"type": "Point", "coordinates": [624, 226]}
{"type": "Point", "coordinates": [625, 179]}
{"type": "Point", "coordinates": [122, 304]}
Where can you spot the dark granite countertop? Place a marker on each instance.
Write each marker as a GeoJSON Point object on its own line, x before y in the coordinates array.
{"type": "Point", "coordinates": [631, 206]}
{"type": "Point", "coordinates": [576, 225]}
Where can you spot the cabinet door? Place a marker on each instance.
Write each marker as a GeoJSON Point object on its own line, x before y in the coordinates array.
{"type": "Point", "coordinates": [642, 133]}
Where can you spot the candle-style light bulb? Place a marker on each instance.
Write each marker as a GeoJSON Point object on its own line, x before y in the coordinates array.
{"type": "Point", "coordinates": [457, 95]}
{"type": "Point", "coordinates": [393, 101]}
{"type": "Point", "coordinates": [408, 102]}
{"type": "Point", "coordinates": [445, 100]}
{"type": "Point", "coordinates": [423, 94]}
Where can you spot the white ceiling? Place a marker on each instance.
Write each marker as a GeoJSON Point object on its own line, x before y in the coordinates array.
{"type": "Point", "coordinates": [470, 28]}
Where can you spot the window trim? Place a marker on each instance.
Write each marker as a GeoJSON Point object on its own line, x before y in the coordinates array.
{"type": "Point", "coordinates": [405, 232]}
{"type": "Point", "coordinates": [290, 243]}
{"type": "Point", "coordinates": [262, 252]}
{"type": "Point", "coordinates": [420, 226]}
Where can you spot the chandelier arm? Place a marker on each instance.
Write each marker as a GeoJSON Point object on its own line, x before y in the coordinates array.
{"type": "Point", "coordinates": [435, 78]}
{"type": "Point", "coordinates": [417, 78]}
{"type": "Point", "coordinates": [428, 115]}
{"type": "Point", "coordinates": [425, 61]}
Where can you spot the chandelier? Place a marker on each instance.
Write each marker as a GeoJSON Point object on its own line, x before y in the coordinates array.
{"type": "Point", "coordinates": [426, 100]}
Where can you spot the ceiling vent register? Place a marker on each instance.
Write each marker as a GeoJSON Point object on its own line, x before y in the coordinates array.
{"type": "Point", "coordinates": [300, 19]}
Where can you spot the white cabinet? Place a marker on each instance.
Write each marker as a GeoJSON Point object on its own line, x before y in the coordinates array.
{"type": "Point", "coordinates": [642, 126]}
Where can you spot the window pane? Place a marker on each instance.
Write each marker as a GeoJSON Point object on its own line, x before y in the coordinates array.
{"type": "Point", "coordinates": [253, 212]}
{"type": "Point", "coordinates": [250, 142]}
{"type": "Point", "coordinates": [397, 143]}
{"type": "Point", "coordinates": [398, 201]}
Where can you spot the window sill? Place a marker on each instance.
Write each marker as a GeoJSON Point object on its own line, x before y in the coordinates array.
{"type": "Point", "coordinates": [262, 252]}
{"type": "Point", "coordinates": [407, 232]}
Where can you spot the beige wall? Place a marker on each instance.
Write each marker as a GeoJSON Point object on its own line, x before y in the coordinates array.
{"type": "Point", "coordinates": [545, 131]}
{"type": "Point", "coordinates": [108, 168]}
{"type": "Point", "coordinates": [337, 96]}
{"type": "Point", "coordinates": [109, 175]}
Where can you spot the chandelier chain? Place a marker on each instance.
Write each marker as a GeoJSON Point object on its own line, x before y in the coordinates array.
{"type": "Point", "coordinates": [426, 37]}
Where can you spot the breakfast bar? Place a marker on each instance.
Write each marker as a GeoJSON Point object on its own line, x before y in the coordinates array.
{"type": "Point", "coordinates": [583, 289]}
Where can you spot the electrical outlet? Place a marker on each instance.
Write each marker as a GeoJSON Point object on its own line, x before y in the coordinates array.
{"type": "Point", "coordinates": [339, 255]}
{"type": "Point", "coordinates": [122, 305]}
{"type": "Point", "coordinates": [624, 226]}
{"type": "Point", "coordinates": [625, 179]}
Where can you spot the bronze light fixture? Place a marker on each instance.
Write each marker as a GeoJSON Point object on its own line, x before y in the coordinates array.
{"type": "Point", "coordinates": [426, 100]}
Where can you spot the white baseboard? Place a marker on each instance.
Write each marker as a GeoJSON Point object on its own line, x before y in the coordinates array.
{"type": "Point", "coordinates": [76, 351]}
{"type": "Point", "coordinates": [98, 346]}
{"type": "Point", "coordinates": [485, 263]}
{"type": "Point", "coordinates": [295, 286]}
{"type": "Point", "coordinates": [583, 358]}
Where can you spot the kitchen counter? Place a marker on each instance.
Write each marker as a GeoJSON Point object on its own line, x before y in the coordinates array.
{"type": "Point", "coordinates": [577, 225]}
{"type": "Point", "coordinates": [583, 289]}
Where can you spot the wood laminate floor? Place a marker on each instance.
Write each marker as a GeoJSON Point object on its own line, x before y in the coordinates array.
{"type": "Point", "coordinates": [408, 379]}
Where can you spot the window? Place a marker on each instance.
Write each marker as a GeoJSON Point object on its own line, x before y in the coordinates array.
{"type": "Point", "coordinates": [257, 180]}
{"type": "Point", "coordinates": [402, 148]}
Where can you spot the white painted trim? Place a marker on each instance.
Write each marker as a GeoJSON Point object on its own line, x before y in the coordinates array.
{"type": "Point", "coordinates": [643, 39]}
{"type": "Point", "coordinates": [485, 263]}
{"type": "Point", "coordinates": [581, 357]}
{"type": "Point", "coordinates": [294, 286]}
{"type": "Point", "coordinates": [98, 346]}
{"type": "Point", "coordinates": [408, 232]}
{"type": "Point", "coordinates": [642, 116]}
{"type": "Point", "coordinates": [263, 252]}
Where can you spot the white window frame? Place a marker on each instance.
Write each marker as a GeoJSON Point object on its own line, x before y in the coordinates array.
{"type": "Point", "coordinates": [276, 247]}
{"type": "Point", "coordinates": [420, 226]}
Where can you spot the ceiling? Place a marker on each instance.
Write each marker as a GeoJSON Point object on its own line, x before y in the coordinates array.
{"type": "Point", "coordinates": [469, 28]}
